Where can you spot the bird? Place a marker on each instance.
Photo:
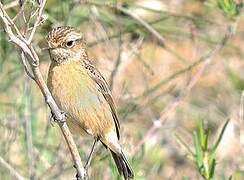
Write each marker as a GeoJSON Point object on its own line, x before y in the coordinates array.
{"type": "Point", "coordinates": [81, 91]}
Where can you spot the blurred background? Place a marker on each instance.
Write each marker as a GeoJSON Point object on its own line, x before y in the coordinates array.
{"type": "Point", "coordinates": [150, 75]}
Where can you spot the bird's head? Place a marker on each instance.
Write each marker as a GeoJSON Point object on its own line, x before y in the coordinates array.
{"type": "Point", "coordinates": [65, 44]}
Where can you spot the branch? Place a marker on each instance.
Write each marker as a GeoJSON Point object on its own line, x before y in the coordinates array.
{"type": "Point", "coordinates": [33, 60]}
{"type": "Point", "coordinates": [11, 169]}
{"type": "Point", "coordinates": [171, 107]}
{"type": "Point", "coordinates": [146, 25]}
{"type": "Point", "coordinates": [118, 61]}
{"type": "Point", "coordinates": [38, 19]}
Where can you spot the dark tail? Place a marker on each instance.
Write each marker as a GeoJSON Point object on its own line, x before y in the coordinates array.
{"type": "Point", "coordinates": [123, 165]}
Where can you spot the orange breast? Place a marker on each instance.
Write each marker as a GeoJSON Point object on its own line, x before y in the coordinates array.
{"type": "Point", "coordinates": [77, 94]}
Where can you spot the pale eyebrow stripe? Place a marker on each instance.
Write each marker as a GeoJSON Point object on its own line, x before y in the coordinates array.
{"type": "Point", "coordinates": [74, 36]}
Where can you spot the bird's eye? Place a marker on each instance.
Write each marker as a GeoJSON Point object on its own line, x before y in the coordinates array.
{"type": "Point", "coordinates": [70, 43]}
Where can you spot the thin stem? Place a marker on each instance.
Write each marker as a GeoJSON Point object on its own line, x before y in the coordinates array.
{"type": "Point", "coordinates": [38, 19]}
{"type": "Point", "coordinates": [28, 128]}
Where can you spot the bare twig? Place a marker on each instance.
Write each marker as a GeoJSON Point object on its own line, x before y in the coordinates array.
{"type": "Point", "coordinates": [146, 25]}
{"type": "Point", "coordinates": [143, 23]}
{"type": "Point", "coordinates": [118, 60]}
{"type": "Point", "coordinates": [33, 60]}
{"type": "Point", "coordinates": [38, 19]}
{"type": "Point", "coordinates": [101, 30]}
{"type": "Point", "coordinates": [116, 35]}
{"type": "Point", "coordinates": [116, 66]}
{"type": "Point", "coordinates": [12, 171]}
{"type": "Point", "coordinates": [24, 62]}
{"type": "Point", "coordinates": [171, 107]}
{"type": "Point", "coordinates": [19, 13]}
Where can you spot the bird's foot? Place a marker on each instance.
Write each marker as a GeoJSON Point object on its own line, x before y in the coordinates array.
{"type": "Point", "coordinates": [88, 162]}
{"type": "Point", "coordinates": [53, 118]}
{"type": "Point", "coordinates": [78, 177]}
{"type": "Point", "coordinates": [86, 167]}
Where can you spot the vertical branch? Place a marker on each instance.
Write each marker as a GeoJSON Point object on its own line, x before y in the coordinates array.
{"type": "Point", "coordinates": [28, 127]}
{"type": "Point", "coordinates": [118, 60]}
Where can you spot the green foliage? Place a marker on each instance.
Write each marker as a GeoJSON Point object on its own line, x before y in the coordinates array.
{"type": "Point", "coordinates": [204, 155]}
{"type": "Point", "coordinates": [230, 8]}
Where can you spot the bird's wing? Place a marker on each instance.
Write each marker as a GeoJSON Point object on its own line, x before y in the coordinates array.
{"type": "Point", "coordinates": [104, 89]}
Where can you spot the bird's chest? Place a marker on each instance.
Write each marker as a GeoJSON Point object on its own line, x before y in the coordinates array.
{"type": "Point", "coordinates": [70, 85]}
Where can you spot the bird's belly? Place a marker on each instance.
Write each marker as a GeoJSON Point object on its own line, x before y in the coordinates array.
{"type": "Point", "coordinates": [77, 95]}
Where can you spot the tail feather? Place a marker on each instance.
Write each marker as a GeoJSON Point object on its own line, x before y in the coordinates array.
{"type": "Point", "coordinates": [123, 165]}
